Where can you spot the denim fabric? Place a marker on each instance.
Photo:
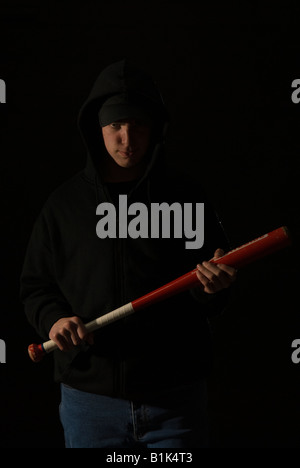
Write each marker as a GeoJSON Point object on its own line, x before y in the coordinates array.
{"type": "Point", "coordinates": [95, 421]}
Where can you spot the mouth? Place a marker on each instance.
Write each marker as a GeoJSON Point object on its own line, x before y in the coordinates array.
{"type": "Point", "coordinates": [126, 154]}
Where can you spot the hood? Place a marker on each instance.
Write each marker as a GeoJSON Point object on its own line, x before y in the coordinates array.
{"type": "Point", "coordinates": [119, 78]}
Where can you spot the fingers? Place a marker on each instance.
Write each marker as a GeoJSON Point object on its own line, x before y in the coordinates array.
{"type": "Point", "coordinates": [214, 278]}
{"type": "Point", "coordinates": [69, 332]}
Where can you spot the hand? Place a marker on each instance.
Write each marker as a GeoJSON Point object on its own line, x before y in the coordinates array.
{"type": "Point", "coordinates": [215, 277]}
{"type": "Point", "coordinates": [69, 332]}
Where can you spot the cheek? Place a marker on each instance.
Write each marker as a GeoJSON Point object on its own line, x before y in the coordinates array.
{"type": "Point", "coordinates": [109, 141]}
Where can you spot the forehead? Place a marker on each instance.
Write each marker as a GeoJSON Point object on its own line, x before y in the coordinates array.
{"type": "Point", "coordinates": [131, 121]}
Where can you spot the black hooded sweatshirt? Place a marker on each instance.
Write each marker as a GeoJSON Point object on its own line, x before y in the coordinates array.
{"type": "Point", "coordinates": [68, 270]}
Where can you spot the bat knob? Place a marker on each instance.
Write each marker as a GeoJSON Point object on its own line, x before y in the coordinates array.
{"type": "Point", "coordinates": [36, 352]}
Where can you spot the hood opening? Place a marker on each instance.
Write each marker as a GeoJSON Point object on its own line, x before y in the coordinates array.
{"type": "Point", "coordinates": [121, 78]}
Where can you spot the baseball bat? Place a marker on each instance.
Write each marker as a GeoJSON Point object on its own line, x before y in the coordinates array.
{"type": "Point", "coordinates": [237, 258]}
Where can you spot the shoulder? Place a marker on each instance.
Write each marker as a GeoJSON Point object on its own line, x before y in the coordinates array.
{"type": "Point", "coordinates": [68, 190]}
{"type": "Point", "coordinates": [67, 197]}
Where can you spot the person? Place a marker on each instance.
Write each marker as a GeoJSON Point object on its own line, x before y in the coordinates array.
{"type": "Point", "coordinates": [140, 381]}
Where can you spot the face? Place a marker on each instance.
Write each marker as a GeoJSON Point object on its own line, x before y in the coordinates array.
{"type": "Point", "coordinates": [127, 141]}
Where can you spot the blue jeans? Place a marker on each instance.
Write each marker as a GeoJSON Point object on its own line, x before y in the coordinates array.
{"type": "Point", "coordinates": [95, 421]}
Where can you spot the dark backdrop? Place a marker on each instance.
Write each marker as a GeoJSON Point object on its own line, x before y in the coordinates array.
{"type": "Point", "coordinates": [225, 74]}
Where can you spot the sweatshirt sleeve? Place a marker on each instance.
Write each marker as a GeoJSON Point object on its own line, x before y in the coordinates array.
{"type": "Point", "coordinates": [43, 300]}
{"type": "Point", "coordinates": [215, 237]}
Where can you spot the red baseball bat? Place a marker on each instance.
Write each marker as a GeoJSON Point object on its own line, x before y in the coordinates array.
{"type": "Point", "coordinates": [239, 257]}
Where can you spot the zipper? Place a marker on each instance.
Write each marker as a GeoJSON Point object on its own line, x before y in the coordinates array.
{"type": "Point", "coordinates": [120, 296]}
{"type": "Point", "coordinates": [119, 382]}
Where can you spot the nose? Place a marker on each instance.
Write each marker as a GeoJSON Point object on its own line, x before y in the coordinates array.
{"type": "Point", "coordinates": [126, 135]}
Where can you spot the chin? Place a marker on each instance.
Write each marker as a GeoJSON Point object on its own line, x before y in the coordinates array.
{"type": "Point", "coordinates": [127, 164]}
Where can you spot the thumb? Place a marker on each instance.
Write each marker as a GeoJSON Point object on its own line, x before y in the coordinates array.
{"type": "Point", "coordinates": [219, 253]}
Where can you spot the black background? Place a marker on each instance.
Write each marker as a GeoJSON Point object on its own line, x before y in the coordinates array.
{"type": "Point", "coordinates": [225, 73]}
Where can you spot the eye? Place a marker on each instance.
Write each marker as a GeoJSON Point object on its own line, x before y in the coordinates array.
{"type": "Point", "coordinates": [115, 125]}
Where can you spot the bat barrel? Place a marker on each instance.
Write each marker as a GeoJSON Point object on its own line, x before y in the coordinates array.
{"type": "Point", "coordinates": [237, 258]}
{"type": "Point", "coordinates": [174, 287]}
{"type": "Point", "coordinates": [256, 249]}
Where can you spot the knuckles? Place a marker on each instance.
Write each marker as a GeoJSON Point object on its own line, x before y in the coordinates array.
{"type": "Point", "coordinates": [215, 278]}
